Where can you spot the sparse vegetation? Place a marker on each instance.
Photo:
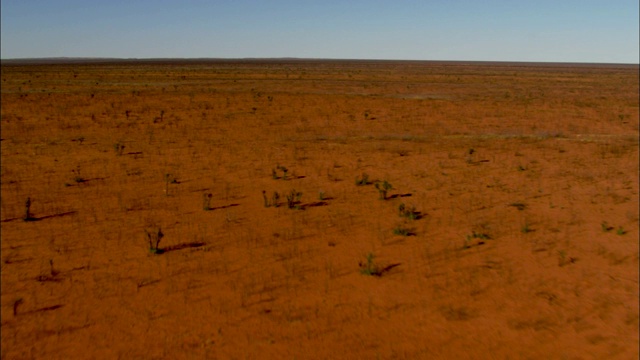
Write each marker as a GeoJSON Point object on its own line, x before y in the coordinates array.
{"type": "Point", "coordinates": [518, 205]}
{"type": "Point", "coordinates": [274, 173]}
{"type": "Point", "coordinates": [118, 148]}
{"type": "Point", "coordinates": [77, 176]}
{"type": "Point", "coordinates": [235, 262]}
{"type": "Point", "coordinates": [363, 180]}
{"type": "Point", "coordinates": [154, 235]}
{"type": "Point", "coordinates": [206, 201]}
{"type": "Point", "coordinates": [293, 199]}
{"type": "Point", "coordinates": [275, 199]}
{"type": "Point", "coordinates": [475, 238]}
{"type": "Point", "coordinates": [402, 231]}
{"type": "Point", "coordinates": [369, 268]}
{"type": "Point", "coordinates": [168, 179]}
{"type": "Point", "coordinates": [470, 156]}
{"type": "Point", "coordinates": [605, 227]}
{"type": "Point", "coordinates": [27, 205]}
{"type": "Point", "coordinates": [564, 259]}
{"type": "Point", "coordinates": [409, 213]}
{"type": "Point", "coordinates": [383, 187]}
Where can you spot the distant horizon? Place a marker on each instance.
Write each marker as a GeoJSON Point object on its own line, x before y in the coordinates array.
{"type": "Point", "coordinates": [142, 59]}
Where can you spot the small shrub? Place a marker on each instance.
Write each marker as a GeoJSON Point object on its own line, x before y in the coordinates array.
{"type": "Point", "coordinates": [480, 237]}
{"type": "Point", "coordinates": [518, 205]}
{"type": "Point", "coordinates": [621, 231]}
{"type": "Point", "coordinates": [274, 199]}
{"type": "Point", "coordinates": [321, 195]}
{"type": "Point", "coordinates": [293, 198]}
{"type": "Point", "coordinates": [206, 201]}
{"type": "Point", "coordinates": [470, 156]}
{"type": "Point", "coordinates": [27, 205]}
{"type": "Point", "coordinates": [563, 259]}
{"type": "Point", "coordinates": [168, 179]}
{"type": "Point", "coordinates": [274, 172]}
{"type": "Point", "coordinates": [284, 171]}
{"type": "Point", "coordinates": [402, 231]}
{"type": "Point", "coordinates": [118, 148]}
{"type": "Point", "coordinates": [154, 238]}
{"type": "Point", "coordinates": [383, 187]}
{"type": "Point", "coordinates": [77, 177]}
{"type": "Point", "coordinates": [606, 227]}
{"type": "Point", "coordinates": [369, 268]}
{"type": "Point", "coordinates": [363, 180]}
{"type": "Point", "coordinates": [409, 213]}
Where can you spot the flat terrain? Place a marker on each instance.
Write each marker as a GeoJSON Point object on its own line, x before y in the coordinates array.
{"type": "Point", "coordinates": [510, 229]}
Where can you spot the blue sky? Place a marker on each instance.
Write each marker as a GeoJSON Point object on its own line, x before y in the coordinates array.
{"type": "Point", "coordinates": [484, 30]}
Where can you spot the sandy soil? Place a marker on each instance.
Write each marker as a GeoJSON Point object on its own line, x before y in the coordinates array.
{"type": "Point", "coordinates": [519, 184]}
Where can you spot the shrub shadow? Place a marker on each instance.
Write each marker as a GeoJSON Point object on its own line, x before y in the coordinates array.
{"type": "Point", "coordinates": [223, 207]}
{"type": "Point", "coordinates": [314, 204]}
{"type": "Point", "coordinates": [33, 218]}
{"type": "Point", "coordinates": [179, 247]}
{"type": "Point", "coordinates": [395, 196]}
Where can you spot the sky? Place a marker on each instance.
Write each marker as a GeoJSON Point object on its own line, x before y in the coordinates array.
{"type": "Point", "coordinates": [585, 31]}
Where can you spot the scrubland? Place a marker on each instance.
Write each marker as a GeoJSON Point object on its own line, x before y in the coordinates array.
{"type": "Point", "coordinates": [508, 229]}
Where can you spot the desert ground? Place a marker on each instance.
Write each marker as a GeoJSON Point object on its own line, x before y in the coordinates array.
{"type": "Point", "coordinates": [508, 230]}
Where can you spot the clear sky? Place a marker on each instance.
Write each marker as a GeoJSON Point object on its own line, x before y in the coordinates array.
{"type": "Point", "coordinates": [489, 30]}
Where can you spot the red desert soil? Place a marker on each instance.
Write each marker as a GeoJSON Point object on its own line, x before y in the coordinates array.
{"type": "Point", "coordinates": [519, 184]}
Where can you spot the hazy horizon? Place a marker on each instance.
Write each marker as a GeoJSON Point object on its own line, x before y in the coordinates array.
{"type": "Point", "coordinates": [590, 31]}
{"type": "Point", "coordinates": [66, 59]}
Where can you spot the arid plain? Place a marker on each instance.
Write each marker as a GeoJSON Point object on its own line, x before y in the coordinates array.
{"type": "Point", "coordinates": [510, 228]}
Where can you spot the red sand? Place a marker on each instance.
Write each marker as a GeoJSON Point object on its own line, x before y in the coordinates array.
{"type": "Point", "coordinates": [524, 177]}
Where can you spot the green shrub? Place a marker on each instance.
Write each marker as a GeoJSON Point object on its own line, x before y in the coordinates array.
{"type": "Point", "coordinates": [284, 171]}
{"type": "Point", "coordinates": [118, 148]}
{"type": "Point", "coordinates": [370, 268]}
{"type": "Point", "coordinates": [477, 236]}
{"type": "Point", "coordinates": [154, 238]}
{"type": "Point", "coordinates": [383, 187]}
{"type": "Point", "coordinates": [27, 205]}
{"type": "Point", "coordinates": [206, 201]}
{"type": "Point", "coordinates": [409, 213]}
{"type": "Point", "coordinates": [363, 180]}
{"type": "Point", "coordinates": [402, 231]}
{"type": "Point", "coordinates": [293, 198]}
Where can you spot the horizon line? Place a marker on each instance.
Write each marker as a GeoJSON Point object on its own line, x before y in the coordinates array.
{"type": "Point", "coordinates": [81, 59]}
